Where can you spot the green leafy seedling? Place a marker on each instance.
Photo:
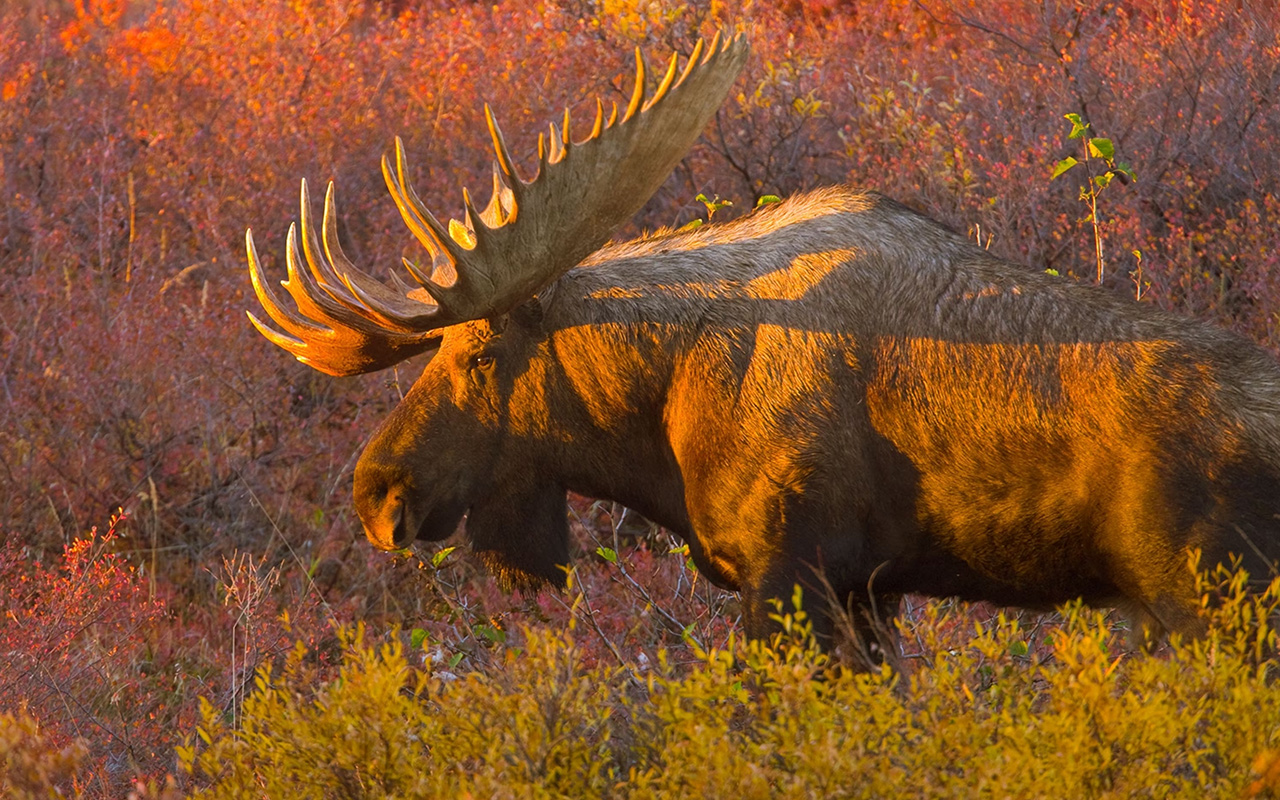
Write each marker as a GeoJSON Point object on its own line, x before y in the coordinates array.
{"type": "Point", "coordinates": [1095, 149]}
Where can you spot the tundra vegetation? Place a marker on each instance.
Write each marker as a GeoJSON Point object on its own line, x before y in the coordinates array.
{"type": "Point", "coordinates": [232, 634]}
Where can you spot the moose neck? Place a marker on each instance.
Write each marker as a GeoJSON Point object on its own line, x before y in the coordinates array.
{"type": "Point", "coordinates": [603, 387]}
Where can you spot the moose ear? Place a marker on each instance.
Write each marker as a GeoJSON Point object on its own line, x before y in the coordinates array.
{"type": "Point", "coordinates": [529, 314]}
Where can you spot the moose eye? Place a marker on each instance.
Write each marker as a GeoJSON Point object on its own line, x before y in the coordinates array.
{"type": "Point", "coordinates": [482, 362]}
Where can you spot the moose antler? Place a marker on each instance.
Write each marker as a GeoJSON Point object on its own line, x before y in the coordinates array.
{"type": "Point", "coordinates": [531, 232]}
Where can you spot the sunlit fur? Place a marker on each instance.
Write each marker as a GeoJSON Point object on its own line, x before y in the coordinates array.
{"type": "Point", "coordinates": [837, 383]}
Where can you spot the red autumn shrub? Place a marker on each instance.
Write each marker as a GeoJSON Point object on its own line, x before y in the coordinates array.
{"type": "Point", "coordinates": [80, 650]}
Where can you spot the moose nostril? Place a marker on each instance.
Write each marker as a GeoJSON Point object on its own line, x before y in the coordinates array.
{"type": "Point", "coordinates": [398, 526]}
{"type": "Point", "coordinates": [401, 536]}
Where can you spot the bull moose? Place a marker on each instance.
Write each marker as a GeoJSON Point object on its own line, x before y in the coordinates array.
{"type": "Point", "coordinates": [833, 382]}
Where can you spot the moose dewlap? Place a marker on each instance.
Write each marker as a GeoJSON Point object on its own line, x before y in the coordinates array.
{"type": "Point", "coordinates": [833, 383]}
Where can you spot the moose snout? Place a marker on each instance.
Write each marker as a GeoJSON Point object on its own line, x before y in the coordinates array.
{"type": "Point", "coordinates": [387, 526]}
{"type": "Point", "coordinates": [380, 503]}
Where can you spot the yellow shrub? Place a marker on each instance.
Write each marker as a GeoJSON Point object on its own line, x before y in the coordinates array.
{"type": "Point", "coordinates": [986, 717]}
{"type": "Point", "coordinates": [31, 766]}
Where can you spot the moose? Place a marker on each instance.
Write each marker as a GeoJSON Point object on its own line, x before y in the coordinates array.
{"type": "Point", "coordinates": [834, 382]}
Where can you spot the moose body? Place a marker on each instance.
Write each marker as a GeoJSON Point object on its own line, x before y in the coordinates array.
{"type": "Point", "coordinates": [838, 383]}
{"type": "Point", "coordinates": [834, 384]}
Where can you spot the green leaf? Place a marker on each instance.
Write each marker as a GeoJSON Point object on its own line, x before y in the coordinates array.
{"type": "Point", "coordinates": [768, 199]}
{"type": "Point", "coordinates": [1102, 181]}
{"type": "Point", "coordinates": [683, 550]}
{"type": "Point", "coordinates": [440, 555]}
{"type": "Point", "coordinates": [1078, 126]}
{"type": "Point", "coordinates": [492, 634]}
{"type": "Point", "coordinates": [416, 638]}
{"type": "Point", "coordinates": [712, 205]}
{"type": "Point", "coordinates": [690, 225]}
{"type": "Point", "coordinates": [1102, 148]}
{"type": "Point", "coordinates": [455, 660]}
{"type": "Point", "coordinates": [1018, 648]}
{"type": "Point", "coordinates": [1052, 272]}
{"type": "Point", "coordinates": [1063, 165]}
{"type": "Point", "coordinates": [608, 554]}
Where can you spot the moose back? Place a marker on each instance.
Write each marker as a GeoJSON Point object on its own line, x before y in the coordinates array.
{"type": "Point", "coordinates": [834, 383]}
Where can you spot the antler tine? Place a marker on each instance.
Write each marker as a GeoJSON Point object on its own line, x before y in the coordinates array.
{"type": "Point", "coordinates": [668, 79]}
{"type": "Point", "coordinates": [312, 300]}
{"type": "Point", "coordinates": [322, 274]}
{"type": "Point", "coordinates": [598, 125]}
{"type": "Point", "coordinates": [426, 283]}
{"type": "Point", "coordinates": [637, 95]}
{"type": "Point", "coordinates": [542, 155]}
{"type": "Point", "coordinates": [475, 222]}
{"type": "Point", "coordinates": [449, 245]}
{"type": "Point", "coordinates": [401, 285]}
{"type": "Point", "coordinates": [335, 260]}
{"type": "Point", "coordinates": [332, 284]}
{"type": "Point", "coordinates": [502, 153]}
{"type": "Point", "coordinates": [715, 47]}
{"type": "Point", "coordinates": [461, 250]}
{"type": "Point", "coordinates": [424, 227]}
{"type": "Point", "coordinates": [279, 313]}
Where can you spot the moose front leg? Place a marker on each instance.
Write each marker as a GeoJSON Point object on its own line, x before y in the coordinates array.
{"type": "Point", "coordinates": [772, 596]}
{"type": "Point", "coordinates": [855, 622]}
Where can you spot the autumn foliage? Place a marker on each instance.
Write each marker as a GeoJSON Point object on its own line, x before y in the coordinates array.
{"type": "Point", "coordinates": [138, 140]}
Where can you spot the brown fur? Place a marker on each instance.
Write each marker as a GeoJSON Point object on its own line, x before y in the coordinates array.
{"type": "Point", "coordinates": [839, 382]}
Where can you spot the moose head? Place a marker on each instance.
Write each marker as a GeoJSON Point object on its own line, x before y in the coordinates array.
{"type": "Point", "coordinates": [461, 440]}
